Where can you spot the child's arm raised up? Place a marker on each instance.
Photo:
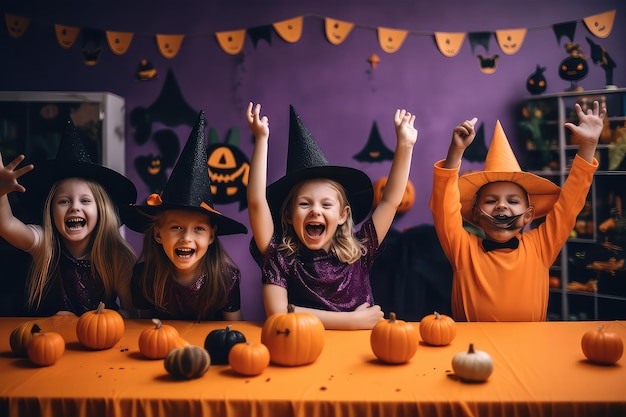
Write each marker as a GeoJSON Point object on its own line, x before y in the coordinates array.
{"type": "Point", "coordinates": [406, 136]}
{"type": "Point", "coordinates": [12, 229]}
{"type": "Point", "coordinates": [261, 220]}
{"type": "Point", "coordinates": [588, 130]}
{"type": "Point", "coordinates": [462, 136]}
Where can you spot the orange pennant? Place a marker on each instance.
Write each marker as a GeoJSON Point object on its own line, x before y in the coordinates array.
{"type": "Point", "coordinates": [169, 45]}
{"type": "Point", "coordinates": [391, 39]}
{"type": "Point", "coordinates": [16, 25]}
{"type": "Point", "coordinates": [66, 35]}
{"type": "Point", "coordinates": [119, 42]}
{"type": "Point", "coordinates": [290, 30]}
{"type": "Point", "coordinates": [600, 25]}
{"type": "Point", "coordinates": [231, 42]}
{"type": "Point", "coordinates": [510, 41]}
{"type": "Point", "coordinates": [337, 31]}
{"type": "Point", "coordinates": [449, 44]}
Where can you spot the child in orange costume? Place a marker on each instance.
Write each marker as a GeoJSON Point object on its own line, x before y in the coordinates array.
{"type": "Point", "coordinates": [504, 277]}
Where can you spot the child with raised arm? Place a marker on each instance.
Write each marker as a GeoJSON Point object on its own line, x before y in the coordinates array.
{"type": "Point", "coordinates": [184, 272]}
{"type": "Point", "coordinates": [79, 256]}
{"type": "Point", "coordinates": [304, 227]}
{"type": "Point", "coordinates": [504, 277]}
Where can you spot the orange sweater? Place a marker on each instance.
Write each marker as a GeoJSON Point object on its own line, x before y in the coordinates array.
{"type": "Point", "coordinates": [496, 285]}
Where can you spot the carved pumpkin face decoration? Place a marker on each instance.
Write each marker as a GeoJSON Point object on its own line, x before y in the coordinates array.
{"type": "Point", "coordinates": [391, 39]}
{"type": "Point", "coordinates": [229, 169]}
{"type": "Point", "coordinates": [407, 199]}
{"type": "Point", "coordinates": [337, 31]}
{"type": "Point", "coordinates": [16, 25]}
{"type": "Point", "coordinates": [449, 44]}
{"type": "Point", "coordinates": [66, 35]}
{"type": "Point", "coordinates": [510, 41]}
{"type": "Point", "coordinates": [231, 42]}
{"type": "Point", "coordinates": [536, 83]}
{"type": "Point", "coordinates": [573, 69]}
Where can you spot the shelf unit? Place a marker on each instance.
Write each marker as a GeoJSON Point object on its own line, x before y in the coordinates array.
{"type": "Point", "coordinates": [588, 280]}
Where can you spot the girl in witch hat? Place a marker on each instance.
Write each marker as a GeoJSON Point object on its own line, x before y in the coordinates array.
{"type": "Point", "coordinates": [79, 256]}
{"type": "Point", "coordinates": [304, 226]}
{"type": "Point", "coordinates": [185, 273]}
{"type": "Point", "coordinates": [504, 276]}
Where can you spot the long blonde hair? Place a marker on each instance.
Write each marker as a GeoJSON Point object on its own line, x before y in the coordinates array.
{"type": "Point", "coordinates": [217, 266]}
{"type": "Point", "coordinates": [344, 244]}
{"type": "Point", "coordinates": [111, 257]}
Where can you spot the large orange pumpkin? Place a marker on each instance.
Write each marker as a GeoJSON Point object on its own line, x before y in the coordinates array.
{"type": "Point", "coordinates": [601, 346]}
{"type": "Point", "coordinates": [394, 341]}
{"type": "Point", "coordinates": [407, 199]}
{"type": "Point", "coordinates": [437, 329]}
{"type": "Point", "coordinates": [157, 341]}
{"type": "Point", "coordinates": [46, 348]}
{"type": "Point", "coordinates": [292, 338]}
{"type": "Point", "coordinates": [249, 358]}
{"type": "Point", "coordinates": [21, 337]}
{"type": "Point", "coordinates": [100, 329]}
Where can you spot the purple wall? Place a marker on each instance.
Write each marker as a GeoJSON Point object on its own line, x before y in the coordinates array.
{"type": "Point", "coordinates": [331, 87]}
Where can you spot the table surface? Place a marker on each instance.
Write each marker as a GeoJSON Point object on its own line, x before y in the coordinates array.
{"type": "Point", "coordinates": [539, 370]}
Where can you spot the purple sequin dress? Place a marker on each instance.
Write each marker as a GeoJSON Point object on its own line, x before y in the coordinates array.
{"type": "Point", "coordinates": [317, 279]}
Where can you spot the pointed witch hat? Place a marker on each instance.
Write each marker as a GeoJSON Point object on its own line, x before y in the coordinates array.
{"type": "Point", "coordinates": [188, 188]}
{"type": "Point", "coordinates": [501, 165]}
{"type": "Point", "coordinates": [305, 160]}
{"type": "Point", "coordinates": [73, 160]}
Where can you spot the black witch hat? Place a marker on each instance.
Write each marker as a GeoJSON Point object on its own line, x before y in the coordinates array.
{"type": "Point", "coordinates": [73, 160]}
{"type": "Point", "coordinates": [305, 160]}
{"type": "Point", "coordinates": [188, 188]}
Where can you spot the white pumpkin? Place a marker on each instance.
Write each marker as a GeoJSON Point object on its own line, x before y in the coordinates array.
{"type": "Point", "coordinates": [473, 365]}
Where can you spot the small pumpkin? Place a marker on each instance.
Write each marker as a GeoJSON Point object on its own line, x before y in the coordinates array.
{"type": "Point", "coordinates": [21, 337]}
{"type": "Point", "coordinates": [293, 338]}
{"type": "Point", "coordinates": [437, 329]}
{"type": "Point", "coordinates": [157, 341]}
{"type": "Point", "coordinates": [249, 358]}
{"type": "Point", "coordinates": [408, 198]}
{"type": "Point", "coordinates": [46, 349]}
{"type": "Point", "coordinates": [473, 365]}
{"type": "Point", "coordinates": [187, 362]}
{"type": "Point", "coordinates": [394, 341]}
{"type": "Point", "coordinates": [100, 329]}
{"type": "Point", "coordinates": [219, 342]}
{"type": "Point", "coordinates": [601, 346]}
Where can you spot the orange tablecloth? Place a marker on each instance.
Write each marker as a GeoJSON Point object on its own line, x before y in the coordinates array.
{"type": "Point", "coordinates": [539, 371]}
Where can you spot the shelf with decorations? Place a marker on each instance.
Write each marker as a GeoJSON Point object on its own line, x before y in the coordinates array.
{"type": "Point", "coordinates": [588, 280]}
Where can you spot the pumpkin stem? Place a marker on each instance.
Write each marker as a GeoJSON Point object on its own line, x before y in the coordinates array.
{"type": "Point", "coordinates": [392, 317]}
{"type": "Point", "coordinates": [437, 316]}
{"type": "Point", "coordinates": [100, 308]}
{"type": "Point", "coordinates": [228, 327]}
{"type": "Point", "coordinates": [471, 348]}
{"type": "Point", "coordinates": [291, 308]}
{"type": "Point", "coordinates": [157, 323]}
{"type": "Point", "coordinates": [35, 329]}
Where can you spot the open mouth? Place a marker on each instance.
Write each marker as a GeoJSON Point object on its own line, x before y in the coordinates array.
{"type": "Point", "coordinates": [315, 230]}
{"type": "Point", "coordinates": [184, 253]}
{"type": "Point", "coordinates": [75, 223]}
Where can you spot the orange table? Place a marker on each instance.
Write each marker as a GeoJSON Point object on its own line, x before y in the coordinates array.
{"type": "Point", "coordinates": [539, 371]}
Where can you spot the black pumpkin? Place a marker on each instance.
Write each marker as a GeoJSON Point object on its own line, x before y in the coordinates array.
{"type": "Point", "coordinates": [187, 362]}
{"type": "Point", "coordinates": [536, 83]}
{"type": "Point", "coordinates": [218, 344]}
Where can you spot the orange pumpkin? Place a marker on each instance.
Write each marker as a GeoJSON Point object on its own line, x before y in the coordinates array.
{"type": "Point", "coordinates": [249, 358]}
{"type": "Point", "coordinates": [293, 338]}
{"type": "Point", "coordinates": [407, 199]}
{"type": "Point", "coordinates": [21, 337]}
{"type": "Point", "coordinates": [602, 347]}
{"type": "Point", "coordinates": [437, 329]}
{"type": "Point", "coordinates": [156, 342]}
{"type": "Point", "coordinates": [100, 329]}
{"type": "Point", "coordinates": [394, 341]}
{"type": "Point", "coordinates": [46, 348]}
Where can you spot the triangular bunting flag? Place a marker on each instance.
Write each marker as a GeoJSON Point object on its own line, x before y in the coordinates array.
{"type": "Point", "coordinates": [391, 39]}
{"type": "Point", "coordinates": [260, 33]}
{"type": "Point", "coordinates": [16, 25]}
{"type": "Point", "coordinates": [449, 44]}
{"type": "Point", "coordinates": [510, 41]}
{"type": "Point", "coordinates": [600, 25]}
{"type": "Point", "coordinates": [66, 35]}
{"type": "Point", "coordinates": [337, 31]}
{"type": "Point", "coordinates": [119, 42]}
{"type": "Point", "coordinates": [479, 39]}
{"type": "Point", "coordinates": [231, 42]}
{"type": "Point", "coordinates": [290, 30]}
{"type": "Point", "coordinates": [169, 45]}
{"type": "Point", "coordinates": [564, 29]}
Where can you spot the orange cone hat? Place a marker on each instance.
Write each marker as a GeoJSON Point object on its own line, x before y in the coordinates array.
{"type": "Point", "coordinates": [501, 165]}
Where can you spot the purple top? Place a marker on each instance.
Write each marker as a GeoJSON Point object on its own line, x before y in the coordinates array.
{"type": "Point", "coordinates": [181, 301]}
{"type": "Point", "coordinates": [317, 279]}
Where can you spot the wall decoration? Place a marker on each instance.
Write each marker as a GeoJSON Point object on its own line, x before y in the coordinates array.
{"type": "Point", "coordinates": [375, 149]}
{"type": "Point", "coordinates": [600, 25]}
{"type": "Point", "coordinates": [488, 64]}
{"type": "Point", "coordinates": [536, 82]}
{"type": "Point", "coordinates": [91, 50]}
{"type": "Point", "coordinates": [152, 169]}
{"type": "Point", "coordinates": [260, 33]}
{"type": "Point", "coordinates": [575, 67]}
{"type": "Point", "coordinates": [169, 45]}
{"type": "Point", "coordinates": [567, 29]}
{"type": "Point", "coordinates": [66, 35]}
{"type": "Point", "coordinates": [16, 25]}
{"type": "Point", "coordinates": [171, 108]}
{"type": "Point", "coordinates": [601, 57]}
{"type": "Point", "coordinates": [336, 30]}
{"type": "Point", "coordinates": [391, 39]}
{"type": "Point", "coordinates": [290, 30]}
{"type": "Point", "coordinates": [231, 42]}
{"type": "Point", "coordinates": [229, 169]}
{"type": "Point", "coordinates": [146, 71]}
{"type": "Point", "coordinates": [373, 60]}
{"type": "Point", "coordinates": [510, 41]}
{"type": "Point", "coordinates": [479, 39]}
{"type": "Point", "coordinates": [449, 44]}
{"type": "Point", "coordinates": [119, 42]}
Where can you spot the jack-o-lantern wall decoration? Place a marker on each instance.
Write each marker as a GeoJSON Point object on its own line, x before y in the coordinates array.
{"type": "Point", "coordinates": [229, 169]}
{"type": "Point", "coordinates": [575, 67]}
{"type": "Point", "coordinates": [407, 199]}
{"type": "Point", "coordinates": [536, 82]}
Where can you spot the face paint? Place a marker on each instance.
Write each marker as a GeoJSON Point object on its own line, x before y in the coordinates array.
{"type": "Point", "coordinates": [507, 221]}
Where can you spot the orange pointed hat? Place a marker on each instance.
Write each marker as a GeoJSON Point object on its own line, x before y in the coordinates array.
{"type": "Point", "coordinates": [501, 165]}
